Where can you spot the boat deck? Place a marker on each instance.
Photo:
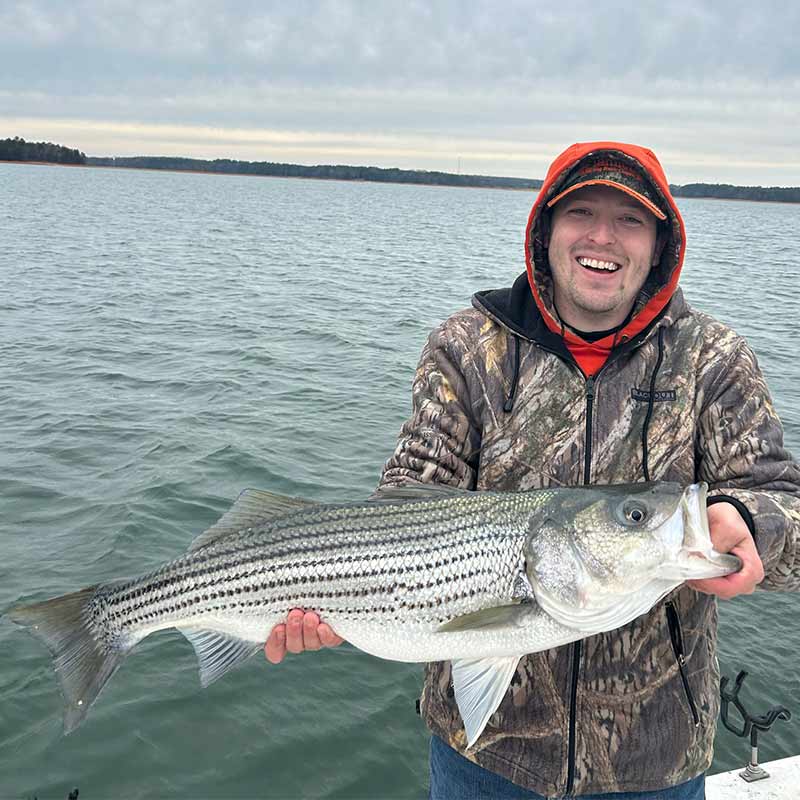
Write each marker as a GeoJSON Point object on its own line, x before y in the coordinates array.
{"type": "Point", "coordinates": [783, 783]}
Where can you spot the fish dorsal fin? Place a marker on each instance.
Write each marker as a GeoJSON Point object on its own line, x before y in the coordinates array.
{"type": "Point", "coordinates": [250, 507]}
{"type": "Point", "coordinates": [486, 618]}
{"type": "Point", "coordinates": [416, 491]}
{"type": "Point", "coordinates": [480, 684]}
{"type": "Point", "coordinates": [218, 652]}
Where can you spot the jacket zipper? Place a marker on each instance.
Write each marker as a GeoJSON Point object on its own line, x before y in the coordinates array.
{"type": "Point", "coordinates": [676, 637]}
{"type": "Point", "coordinates": [587, 459]}
{"type": "Point", "coordinates": [573, 701]}
{"type": "Point", "coordinates": [577, 646]}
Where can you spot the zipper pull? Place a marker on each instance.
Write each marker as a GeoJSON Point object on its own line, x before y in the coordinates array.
{"type": "Point", "coordinates": [675, 632]}
{"type": "Point", "coordinates": [590, 388]}
{"type": "Point", "coordinates": [676, 635]}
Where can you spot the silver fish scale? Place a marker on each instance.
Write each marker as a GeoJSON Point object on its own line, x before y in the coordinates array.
{"type": "Point", "coordinates": [419, 562]}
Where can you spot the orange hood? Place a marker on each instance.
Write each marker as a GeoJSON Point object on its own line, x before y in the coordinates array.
{"type": "Point", "coordinates": [663, 278]}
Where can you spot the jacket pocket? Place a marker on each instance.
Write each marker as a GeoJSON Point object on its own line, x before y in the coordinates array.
{"type": "Point", "coordinates": [676, 637]}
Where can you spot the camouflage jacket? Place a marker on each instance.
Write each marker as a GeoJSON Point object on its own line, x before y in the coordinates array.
{"type": "Point", "coordinates": [498, 403]}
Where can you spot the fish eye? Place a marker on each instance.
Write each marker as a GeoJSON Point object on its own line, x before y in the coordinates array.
{"type": "Point", "coordinates": [635, 513]}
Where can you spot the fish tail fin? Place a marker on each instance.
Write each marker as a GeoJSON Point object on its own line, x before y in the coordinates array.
{"type": "Point", "coordinates": [83, 662]}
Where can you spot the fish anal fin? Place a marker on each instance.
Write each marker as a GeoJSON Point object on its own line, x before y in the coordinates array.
{"type": "Point", "coordinates": [251, 507]}
{"type": "Point", "coordinates": [217, 653]}
{"type": "Point", "coordinates": [480, 685]}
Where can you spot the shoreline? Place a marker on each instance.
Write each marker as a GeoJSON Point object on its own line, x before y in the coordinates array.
{"type": "Point", "coordinates": [430, 184]}
{"type": "Point", "coordinates": [221, 174]}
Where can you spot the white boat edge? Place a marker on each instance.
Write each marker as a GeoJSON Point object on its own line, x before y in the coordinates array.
{"type": "Point", "coordinates": [783, 783]}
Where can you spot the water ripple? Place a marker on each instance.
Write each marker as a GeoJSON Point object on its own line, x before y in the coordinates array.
{"type": "Point", "coordinates": [167, 340]}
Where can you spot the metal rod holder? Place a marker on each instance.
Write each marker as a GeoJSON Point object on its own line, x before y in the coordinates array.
{"type": "Point", "coordinates": [750, 725]}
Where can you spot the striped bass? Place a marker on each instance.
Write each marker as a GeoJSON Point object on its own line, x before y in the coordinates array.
{"type": "Point", "coordinates": [414, 574]}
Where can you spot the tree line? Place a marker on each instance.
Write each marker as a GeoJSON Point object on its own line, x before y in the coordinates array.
{"type": "Point", "coordinates": [18, 149]}
{"type": "Point", "coordinates": [726, 191]}
{"type": "Point", "coordinates": [350, 173]}
{"type": "Point", "coordinates": [330, 171]}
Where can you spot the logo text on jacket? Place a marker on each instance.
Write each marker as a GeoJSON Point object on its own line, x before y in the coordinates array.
{"type": "Point", "coordinates": [661, 396]}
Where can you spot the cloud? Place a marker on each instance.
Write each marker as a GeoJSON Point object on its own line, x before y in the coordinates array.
{"type": "Point", "coordinates": [411, 43]}
{"type": "Point", "coordinates": [715, 85]}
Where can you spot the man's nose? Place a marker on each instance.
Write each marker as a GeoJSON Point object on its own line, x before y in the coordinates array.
{"type": "Point", "coordinates": [602, 231]}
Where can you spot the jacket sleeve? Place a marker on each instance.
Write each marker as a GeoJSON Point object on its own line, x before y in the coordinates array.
{"type": "Point", "coordinates": [440, 442]}
{"type": "Point", "coordinates": [741, 454]}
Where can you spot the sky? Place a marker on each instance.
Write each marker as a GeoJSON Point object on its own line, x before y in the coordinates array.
{"type": "Point", "coordinates": [490, 88]}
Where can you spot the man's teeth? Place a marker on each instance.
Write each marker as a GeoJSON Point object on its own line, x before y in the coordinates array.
{"type": "Point", "coordinates": [610, 266]}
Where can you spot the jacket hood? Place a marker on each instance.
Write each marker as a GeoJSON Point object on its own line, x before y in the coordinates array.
{"type": "Point", "coordinates": [663, 278]}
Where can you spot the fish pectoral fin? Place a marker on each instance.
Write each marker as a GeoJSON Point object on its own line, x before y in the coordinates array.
{"type": "Point", "coordinates": [218, 652]}
{"type": "Point", "coordinates": [250, 507]}
{"type": "Point", "coordinates": [497, 617]}
{"type": "Point", "coordinates": [480, 684]}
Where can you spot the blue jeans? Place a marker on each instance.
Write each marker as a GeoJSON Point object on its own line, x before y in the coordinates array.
{"type": "Point", "coordinates": [454, 777]}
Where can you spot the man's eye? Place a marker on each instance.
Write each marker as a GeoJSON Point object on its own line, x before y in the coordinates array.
{"type": "Point", "coordinates": [632, 220]}
{"type": "Point", "coordinates": [579, 211]}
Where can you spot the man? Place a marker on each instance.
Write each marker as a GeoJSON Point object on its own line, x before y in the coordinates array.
{"type": "Point", "coordinates": [592, 368]}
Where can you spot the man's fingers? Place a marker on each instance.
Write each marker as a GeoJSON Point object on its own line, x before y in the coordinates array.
{"type": "Point", "coordinates": [294, 631]}
{"type": "Point", "coordinates": [723, 587]}
{"type": "Point", "coordinates": [752, 572]}
{"type": "Point", "coordinates": [742, 582]}
{"type": "Point", "coordinates": [302, 631]}
{"type": "Point", "coordinates": [730, 534]}
{"type": "Point", "coordinates": [310, 626]}
{"type": "Point", "coordinates": [275, 648]}
{"type": "Point", "coordinates": [327, 636]}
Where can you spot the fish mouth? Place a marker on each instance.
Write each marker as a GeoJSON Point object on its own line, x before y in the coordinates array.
{"type": "Point", "coordinates": [697, 558]}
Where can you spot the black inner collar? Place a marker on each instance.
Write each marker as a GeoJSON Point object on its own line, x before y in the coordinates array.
{"type": "Point", "coordinates": [594, 336]}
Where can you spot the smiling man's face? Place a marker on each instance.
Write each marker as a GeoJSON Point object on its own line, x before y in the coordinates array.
{"type": "Point", "coordinates": [602, 246]}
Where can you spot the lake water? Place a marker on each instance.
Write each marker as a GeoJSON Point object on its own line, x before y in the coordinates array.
{"type": "Point", "coordinates": [169, 339]}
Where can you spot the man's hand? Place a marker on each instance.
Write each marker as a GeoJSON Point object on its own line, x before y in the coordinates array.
{"type": "Point", "coordinates": [301, 631]}
{"type": "Point", "coordinates": [730, 534]}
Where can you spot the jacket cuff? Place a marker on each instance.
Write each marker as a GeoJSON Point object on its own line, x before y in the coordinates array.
{"type": "Point", "coordinates": [739, 506]}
